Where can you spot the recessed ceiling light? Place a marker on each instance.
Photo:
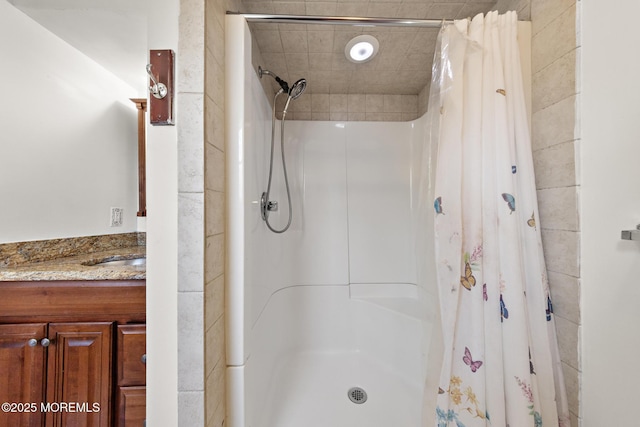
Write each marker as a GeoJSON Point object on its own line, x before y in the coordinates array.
{"type": "Point", "coordinates": [361, 49]}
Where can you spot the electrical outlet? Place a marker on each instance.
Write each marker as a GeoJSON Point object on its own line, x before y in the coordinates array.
{"type": "Point", "coordinates": [116, 217]}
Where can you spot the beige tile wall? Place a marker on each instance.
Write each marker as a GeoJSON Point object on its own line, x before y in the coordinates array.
{"type": "Point", "coordinates": [423, 100]}
{"type": "Point", "coordinates": [213, 247]}
{"type": "Point", "coordinates": [343, 107]}
{"type": "Point", "coordinates": [190, 299]}
{"type": "Point", "coordinates": [327, 106]}
{"type": "Point", "coordinates": [317, 53]}
{"type": "Point", "coordinates": [554, 140]}
{"type": "Point", "coordinates": [523, 7]}
{"type": "Point", "coordinates": [352, 107]}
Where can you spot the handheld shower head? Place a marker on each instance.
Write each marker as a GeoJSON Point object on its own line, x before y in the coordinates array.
{"type": "Point", "coordinates": [295, 92]}
{"type": "Point", "coordinates": [284, 85]}
{"type": "Point", "coordinates": [297, 88]}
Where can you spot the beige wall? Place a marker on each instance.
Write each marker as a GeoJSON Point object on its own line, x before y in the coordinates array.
{"type": "Point", "coordinates": [554, 140]}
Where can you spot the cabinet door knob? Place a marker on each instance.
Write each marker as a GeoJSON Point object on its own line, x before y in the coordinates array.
{"type": "Point", "coordinates": [32, 342]}
{"type": "Point", "coordinates": [143, 359]}
{"type": "Point", "coordinates": [45, 342]}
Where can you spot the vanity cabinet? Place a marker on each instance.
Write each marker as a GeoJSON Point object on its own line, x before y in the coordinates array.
{"type": "Point", "coordinates": [75, 357]}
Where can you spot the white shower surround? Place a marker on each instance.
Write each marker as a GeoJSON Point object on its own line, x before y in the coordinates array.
{"type": "Point", "coordinates": [356, 303]}
{"type": "Point", "coordinates": [333, 302]}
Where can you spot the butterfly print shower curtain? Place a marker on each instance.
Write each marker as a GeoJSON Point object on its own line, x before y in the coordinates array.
{"type": "Point", "coordinates": [501, 365]}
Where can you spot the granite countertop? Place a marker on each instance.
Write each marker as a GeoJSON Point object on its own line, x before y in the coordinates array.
{"type": "Point", "coordinates": [80, 267]}
{"type": "Point", "coordinates": [79, 264]}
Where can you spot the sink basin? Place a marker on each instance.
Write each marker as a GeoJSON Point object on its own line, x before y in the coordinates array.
{"type": "Point", "coordinates": [122, 262]}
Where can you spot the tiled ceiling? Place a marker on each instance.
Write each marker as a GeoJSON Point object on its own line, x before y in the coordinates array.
{"type": "Point", "coordinates": [316, 52]}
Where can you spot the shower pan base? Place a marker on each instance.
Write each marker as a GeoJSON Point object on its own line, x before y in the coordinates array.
{"type": "Point", "coordinates": [312, 391]}
{"type": "Point", "coordinates": [315, 343]}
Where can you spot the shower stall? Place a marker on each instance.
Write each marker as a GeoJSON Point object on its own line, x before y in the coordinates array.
{"type": "Point", "coordinates": [332, 322]}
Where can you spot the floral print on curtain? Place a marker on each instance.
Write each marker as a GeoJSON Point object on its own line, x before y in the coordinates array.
{"type": "Point", "coordinates": [501, 365]}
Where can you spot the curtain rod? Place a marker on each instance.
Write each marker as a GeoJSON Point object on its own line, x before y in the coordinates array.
{"type": "Point", "coordinates": [342, 20]}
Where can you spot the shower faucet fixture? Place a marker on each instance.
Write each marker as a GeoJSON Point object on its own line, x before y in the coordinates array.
{"type": "Point", "coordinates": [267, 206]}
{"type": "Point", "coordinates": [294, 92]}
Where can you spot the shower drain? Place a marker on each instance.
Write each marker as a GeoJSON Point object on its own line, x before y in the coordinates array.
{"type": "Point", "coordinates": [357, 395]}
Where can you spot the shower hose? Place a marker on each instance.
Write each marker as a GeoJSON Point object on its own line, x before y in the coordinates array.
{"type": "Point", "coordinates": [265, 210]}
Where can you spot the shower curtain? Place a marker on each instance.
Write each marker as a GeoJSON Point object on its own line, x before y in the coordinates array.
{"type": "Point", "coordinates": [501, 365]}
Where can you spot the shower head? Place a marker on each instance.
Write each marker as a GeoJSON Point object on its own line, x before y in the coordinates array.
{"type": "Point", "coordinates": [295, 92]}
{"type": "Point", "coordinates": [284, 85]}
{"type": "Point", "coordinates": [297, 88]}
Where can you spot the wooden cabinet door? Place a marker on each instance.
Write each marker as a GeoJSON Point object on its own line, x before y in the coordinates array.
{"type": "Point", "coordinates": [132, 344]}
{"type": "Point", "coordinates": [131, 400]}
{"type": "Point", "coordinates": [79, 374]}
{"type": "Point", "coordinates": [132, 405]}
{"type": "Point", "coordinates": [22, 374]}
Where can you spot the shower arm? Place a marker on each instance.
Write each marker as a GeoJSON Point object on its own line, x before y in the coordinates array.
{"type": "Point", "coordinates": [283, 84]}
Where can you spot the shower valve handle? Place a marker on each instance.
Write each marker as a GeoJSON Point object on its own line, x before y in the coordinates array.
{"type": "Point", "coordinates": [272, 206]}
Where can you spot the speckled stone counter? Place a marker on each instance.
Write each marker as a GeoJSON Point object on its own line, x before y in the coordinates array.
{"type": "Point", "coordinates": [73, 259]}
